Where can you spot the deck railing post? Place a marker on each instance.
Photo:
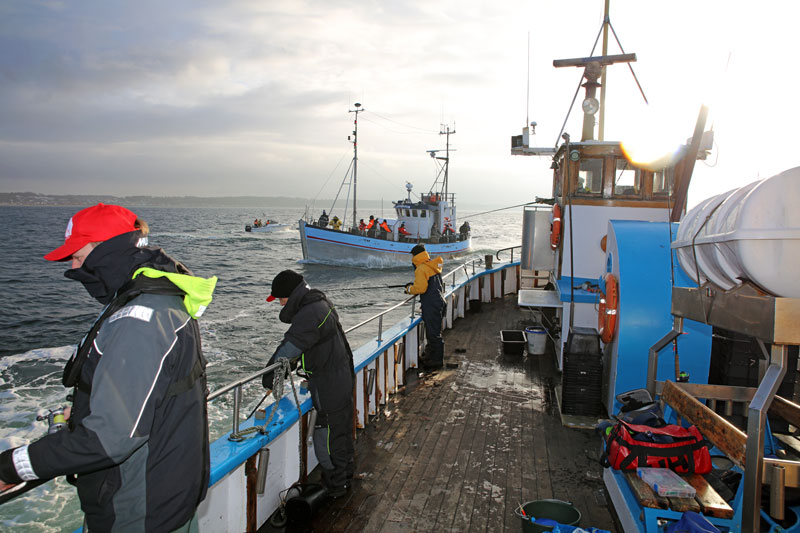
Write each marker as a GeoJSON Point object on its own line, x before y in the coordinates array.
{"type": "Point", "coordinates": [237, 398]}
{"type": "Point", "coordinates": [380, 328]}
{"type": "Point", "coordinates": [413, 304]}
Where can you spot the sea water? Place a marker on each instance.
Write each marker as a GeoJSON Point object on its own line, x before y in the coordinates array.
{"type": "Point", "coordinates": [45, 314]}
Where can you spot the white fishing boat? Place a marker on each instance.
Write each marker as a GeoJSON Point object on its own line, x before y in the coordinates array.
{"type": "Point", "coordinates": [431, 220]}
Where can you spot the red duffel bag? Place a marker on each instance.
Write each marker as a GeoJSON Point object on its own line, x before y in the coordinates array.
{"type": "Point", "coordinates": [683, 450]}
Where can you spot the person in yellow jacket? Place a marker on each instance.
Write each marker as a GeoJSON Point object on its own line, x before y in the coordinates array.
{"type": "Point", "coordinates": [428, 284]}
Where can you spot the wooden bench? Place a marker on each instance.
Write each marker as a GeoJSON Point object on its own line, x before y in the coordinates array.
{"type": "Point", "coordinates": [707, 501]}
{"type": "Point", "coordinates": [721, 433]}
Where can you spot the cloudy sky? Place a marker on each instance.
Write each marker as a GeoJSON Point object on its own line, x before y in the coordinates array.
{"type": "Point", "coordinates": [251, 97]}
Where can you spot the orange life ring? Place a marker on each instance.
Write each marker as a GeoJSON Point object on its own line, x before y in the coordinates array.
{"type": "Point", "coordinates": [555, 227]}
{"type": "Point", "coordinates": [607, 312]}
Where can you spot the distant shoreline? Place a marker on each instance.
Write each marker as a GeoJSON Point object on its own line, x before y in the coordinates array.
{"type": "Point", "coordinates": [29, 199]}
{"type": "Point", "coordinates": [77, 200]}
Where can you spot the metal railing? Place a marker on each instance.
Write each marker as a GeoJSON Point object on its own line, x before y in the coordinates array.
{"type": "Point", "coordinates": [236, 386]}
{"type": "Point", "coordinates": [511, 248]}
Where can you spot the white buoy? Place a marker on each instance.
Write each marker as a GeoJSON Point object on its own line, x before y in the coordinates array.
{"type": "Point", "coordinates": [750, 233]}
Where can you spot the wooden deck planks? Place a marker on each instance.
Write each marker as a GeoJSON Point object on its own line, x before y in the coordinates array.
{"type": "Point", "coordinates": [466, 446]}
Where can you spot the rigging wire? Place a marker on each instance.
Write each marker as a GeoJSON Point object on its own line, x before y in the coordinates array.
{"type": "Point", "coordinates": [629, 65]}
{"type": "Point", "coordinates": [499, 209]}
{"type": "Point", "coordinates": [404, 125]}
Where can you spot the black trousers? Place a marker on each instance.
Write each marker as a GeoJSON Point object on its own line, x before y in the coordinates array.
{"type": "Point", "coordinates": [333, 446]}
{"type": "Point", "coordinates": [432, 314]}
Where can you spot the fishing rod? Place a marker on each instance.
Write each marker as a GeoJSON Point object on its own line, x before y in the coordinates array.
{"type": "Point", "coordinates": [19, 489]}
{"type": "Point", "coordinates": [375, 287]}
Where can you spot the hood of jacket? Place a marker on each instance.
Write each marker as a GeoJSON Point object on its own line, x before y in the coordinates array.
{"type": "Point", "coordinates": [301, 296]}
{"type": "Point", "coordinates": [423, 258]}
{"type": "Point", "coordinates": [112, 263]}
{"type": "Point", "coordinates": [197, 291]}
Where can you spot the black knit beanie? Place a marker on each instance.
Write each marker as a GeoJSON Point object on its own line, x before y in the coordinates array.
{"type": "Point", "coordinates": [284, 283]}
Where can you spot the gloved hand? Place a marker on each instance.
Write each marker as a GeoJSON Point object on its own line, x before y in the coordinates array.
{"type": "Point", "coordinates": [408, 286]}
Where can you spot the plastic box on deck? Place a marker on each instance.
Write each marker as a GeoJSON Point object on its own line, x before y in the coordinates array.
{"type": "Point", "coordinates": [665, 482]}
{"type": "Point", "coordinates": [513, 341]}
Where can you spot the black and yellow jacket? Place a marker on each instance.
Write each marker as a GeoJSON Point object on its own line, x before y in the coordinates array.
{"type": "Point", "coordinates": [317, 342]}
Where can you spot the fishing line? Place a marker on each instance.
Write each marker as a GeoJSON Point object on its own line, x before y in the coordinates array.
{"type": "Point", "coordinates": [502, 209]}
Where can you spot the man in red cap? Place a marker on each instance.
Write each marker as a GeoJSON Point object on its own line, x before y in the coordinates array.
{"type": "Point", "coordinates": [317, 339]}
{"type": "Point", "coordinates": [136, 446]}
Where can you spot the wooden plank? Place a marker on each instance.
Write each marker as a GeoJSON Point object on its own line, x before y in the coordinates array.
{"type": "Point", "coordinates": [681, 505]}
{"type": "Point", "coordinates": [716, 429]}
{"type": "Point", "coordinates": [643, 492]}
{"type": "Point", "coordinates": [711, 503]}
{"type": "Point", "coordinates": [785, 409]}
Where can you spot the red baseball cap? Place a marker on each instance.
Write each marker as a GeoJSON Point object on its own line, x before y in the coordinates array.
{"type": "Point", "coordinates": [93, 224]}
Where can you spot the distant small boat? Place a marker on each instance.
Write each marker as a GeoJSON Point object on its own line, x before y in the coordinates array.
{"type": "Point", "coordinates": [268, 226]}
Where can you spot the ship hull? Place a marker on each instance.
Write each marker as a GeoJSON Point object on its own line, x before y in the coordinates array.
{"type": "Point", "coordinates": [327, 246]}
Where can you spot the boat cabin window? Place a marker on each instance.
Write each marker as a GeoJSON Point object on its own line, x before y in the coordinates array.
{"type": "Point", "coordinates": [590, 177]}
{"type": "Point", "coordinates": [422, 213]}
{"type": "Point", "coordinates": [627, 180]}
{"type": "Point", "coordinates": [413, 212]}
{"type": "Point", "coordinates": [662, 182]}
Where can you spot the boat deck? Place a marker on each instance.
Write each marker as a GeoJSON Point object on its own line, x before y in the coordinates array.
{"type": "Point", "coordinates": [460, 449]}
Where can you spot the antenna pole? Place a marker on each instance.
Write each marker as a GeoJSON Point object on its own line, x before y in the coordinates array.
{"type": "Point", "coordinates": [357, 110]}
{"type": "Point", "coordinates": [528, 95]}
{"type": "Point", "coordinates": [601, 125]}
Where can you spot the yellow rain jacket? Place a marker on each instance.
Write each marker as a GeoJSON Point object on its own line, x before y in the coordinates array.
{"type": "Point", "coordinates": [426, 267]}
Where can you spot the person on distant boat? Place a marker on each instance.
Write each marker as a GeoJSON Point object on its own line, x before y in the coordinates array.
{"type": "Point", "coordinates": [402, 230]}
{"type": "Point", "coordinates": [371, 222]}
{"type": "Point", "coordinates": [256, 223]}
{"type": "Point", "coordinates": [385, 229]}
{"type": "Point", "coordinates": [362, 226]}
{"type": "Point", "coordinates": [428, 284]}
{"type": "Point", "coordinates": [464, 230]}
{"type": "Point", "coordinates": [137, 434]}
{"type": "Point", "coordinates": [323, 219]}
{"type": "Point", "coordinates": [372, 226]}
{"type": "Point", "coordinates": [317, 340]}
{"type": "Point", "coordinates": [336, 223]}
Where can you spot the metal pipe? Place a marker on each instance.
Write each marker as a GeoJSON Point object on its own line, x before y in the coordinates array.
{"type": "Point", "coordinates": [777, 491]}
{"type": "Point", "coordinates": [263, 463]}
{"type": "Point", "coordinates": [652, 359]}
{"type": "Point", "coordinates": [239, 382]}
{"type": "Point", "coordinates": [312, 421]}
{"type": "Point", "coordinates": [754, 453]}
{"type": "Point", "coordinates": [380, 328]}
{"type": "Point", "coordinates": [237, 398]}
{"type": "Point", "coordinates": [370, 381]}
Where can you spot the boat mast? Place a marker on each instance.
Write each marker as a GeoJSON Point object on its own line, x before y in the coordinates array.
{"type": "Point", "coordinates": [601, 126]}
{"type": "Point", "coordinates": [357, 110]}
{"type": "Point", "coordinates": [445, 130]}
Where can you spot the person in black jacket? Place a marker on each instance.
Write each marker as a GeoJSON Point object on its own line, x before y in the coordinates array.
{"type": "Point", "coordinates": [317, 341]}
{"type": "Point", "coordinates": [136, 446]}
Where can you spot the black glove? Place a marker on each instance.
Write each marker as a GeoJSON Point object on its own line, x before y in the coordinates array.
{"type": "Point", "coordinates": [408, 286]}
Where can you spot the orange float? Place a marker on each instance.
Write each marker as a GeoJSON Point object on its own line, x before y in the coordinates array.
{"type": "Point", "coordinates": [607, 312]}
{"type": "Point", "coordinates": [555, 227]}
